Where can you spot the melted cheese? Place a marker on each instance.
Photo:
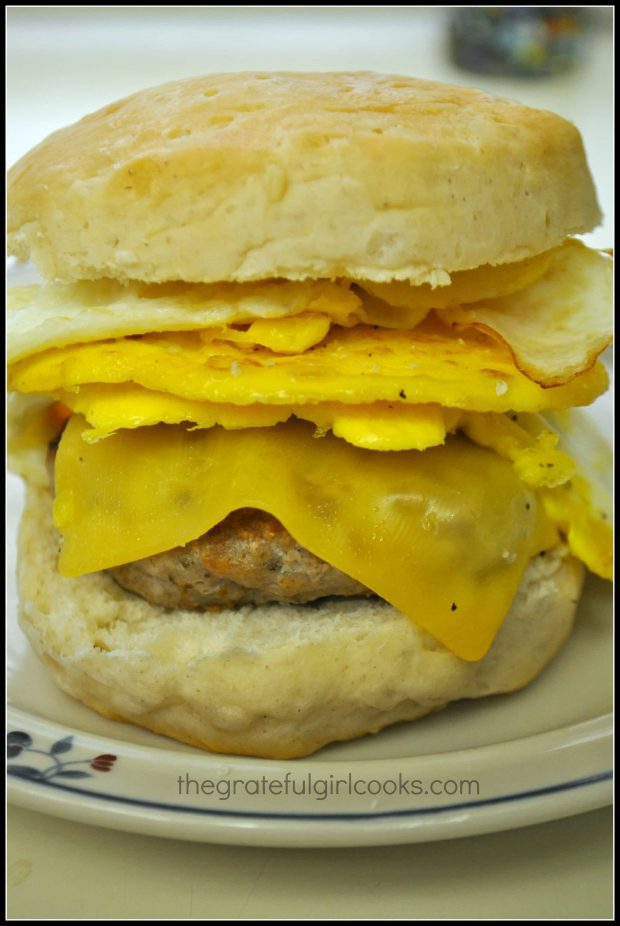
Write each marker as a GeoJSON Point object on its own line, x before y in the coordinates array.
{"type": "Point", "coordinates": [443, 535]}
{"type": "Point", "coordinates": [450, 527]}
{"type": "Point", "coordinates": [524, 439]}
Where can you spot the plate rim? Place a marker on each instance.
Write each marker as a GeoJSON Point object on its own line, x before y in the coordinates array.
{"type": "Point", "coordinates": [560, 798]}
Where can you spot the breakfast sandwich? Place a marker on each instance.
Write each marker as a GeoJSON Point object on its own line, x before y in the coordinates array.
{"type": "Point", "coordinates": [293, 403]}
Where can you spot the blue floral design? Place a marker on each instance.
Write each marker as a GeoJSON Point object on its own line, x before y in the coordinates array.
{"type": "Point", "coordinates": [18, 743]}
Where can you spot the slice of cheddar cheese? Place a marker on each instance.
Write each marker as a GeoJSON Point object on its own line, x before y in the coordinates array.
{"type": "Point", "coordinates": [442, 535]}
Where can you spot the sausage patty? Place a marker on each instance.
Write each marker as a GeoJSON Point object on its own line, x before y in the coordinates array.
{"type": "Point", "coordinates": [249, 558]}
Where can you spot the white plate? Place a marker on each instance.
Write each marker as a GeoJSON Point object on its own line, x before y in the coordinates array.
{"type": "Point", "coordinates": [499, 763]}
{"type": "Point", "coordinates": [538, 755]}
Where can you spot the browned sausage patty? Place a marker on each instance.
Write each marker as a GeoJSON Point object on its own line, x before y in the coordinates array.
{"type": "Point", "coordinates": [249, 558]}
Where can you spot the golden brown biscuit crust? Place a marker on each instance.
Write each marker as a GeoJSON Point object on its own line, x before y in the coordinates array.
{"type": "Point", "coordinates": [258, 175]}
